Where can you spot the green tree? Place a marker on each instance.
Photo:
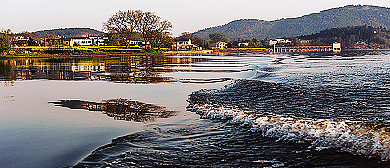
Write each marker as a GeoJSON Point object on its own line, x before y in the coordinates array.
{"type": "Point", "coordinates": [5, 44]}
{"type": "Point", "coordinates": [184, 36]}
{"type": "Point", "coordinates": [160, 39]}
{"type": "Point", "coordinates": [216, 37]}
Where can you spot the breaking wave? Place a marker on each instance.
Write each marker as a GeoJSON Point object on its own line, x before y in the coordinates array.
{"type": "Point", "coordinates": [301, 115]}
{"type": "Point", "coordinates": [356, 138]}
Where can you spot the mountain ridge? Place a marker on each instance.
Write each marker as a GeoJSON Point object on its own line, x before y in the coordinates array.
{"type": "Point", "coordinates": [350, 15]}
{"type": "Point", "coordinates": [69, 32]}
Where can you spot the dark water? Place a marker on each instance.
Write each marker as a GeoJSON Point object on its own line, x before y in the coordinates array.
{"type": "Point", "coordinates": [309, 110]}
{"type": "Point", "coordinates": [217, 144]}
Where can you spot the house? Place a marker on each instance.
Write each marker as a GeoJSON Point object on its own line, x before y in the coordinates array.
{"type": "Point", "coordinates": [242, 45]}
{"type": "Point", "coordinates": [20, 41]}
{"type": "Point", "coordinates": [143, 43]}
{"type": "Point", "coordinates": [185, 45]}
{"type": "Point", "coordinates": [87, 41]}
{"type": "Point", "coordinates": [271, 42]}
{"type": "Point", "coordinates": [221, 44]}
{"type": "Point", "coordinates": [336, 47]}
{"type": "Point", "coordinates": [80, 41]}
{"type": "Point", "coordinates": [133, 43]}
{"type": "Point", "coordinates": [99, 41]}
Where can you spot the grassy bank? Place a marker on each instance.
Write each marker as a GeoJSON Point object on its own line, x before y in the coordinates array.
{"type": "Point", "coordinates": [79, 51]}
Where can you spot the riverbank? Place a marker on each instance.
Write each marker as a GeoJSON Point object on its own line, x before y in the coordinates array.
{"type": "Point", "coordinates": [190, 52]}
{"type": "Point", "coordinates": [41, 55]}
{"type": "Point", "coordinates": [159, 53]}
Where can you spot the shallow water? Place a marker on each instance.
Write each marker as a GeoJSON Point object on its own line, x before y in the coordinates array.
{"type": "Point", "coordinates": [282, 110]}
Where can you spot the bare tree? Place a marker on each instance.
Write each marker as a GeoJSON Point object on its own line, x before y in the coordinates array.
{"type": "Point", "coordinates": [129, 24]}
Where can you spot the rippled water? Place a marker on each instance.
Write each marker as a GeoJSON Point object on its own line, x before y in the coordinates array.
{"type": "Point", "coordinates": [313, 110]}
{"type": "Point", "coordinates": [292, 110]}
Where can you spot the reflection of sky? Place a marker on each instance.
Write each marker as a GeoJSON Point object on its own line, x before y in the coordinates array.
{"type": "Point", "coordinates": [48, 136]}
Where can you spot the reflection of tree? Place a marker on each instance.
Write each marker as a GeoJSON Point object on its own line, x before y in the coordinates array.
{"type": "Point", "coordinates": [145, 76]}
{"type": "Point", "coordinates": [6, 71]}
{"type": "Point", "coordinates": [121, 109]}
{"type": "Point", "coordinates": [138, 69]}
{"type": "Point", "coordinates": [122, 68]}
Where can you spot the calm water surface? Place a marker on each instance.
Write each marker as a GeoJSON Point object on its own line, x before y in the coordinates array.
{"type": "Point", "coordinates": [257, 110]}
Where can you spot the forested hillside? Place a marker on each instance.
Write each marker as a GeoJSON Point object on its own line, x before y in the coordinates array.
{"type": "Point", "coordinates": [351, 15]}
{"type": "Point", "coordinates": [69, 32]}
{"type": "Point", "coordinates": [352, 37]}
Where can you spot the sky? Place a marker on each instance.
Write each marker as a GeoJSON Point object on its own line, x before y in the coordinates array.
{"type": "Point", "coordinates": [185, 15]}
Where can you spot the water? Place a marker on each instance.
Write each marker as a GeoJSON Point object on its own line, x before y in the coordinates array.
{"type": "Point", "coordinates": [245, 110]}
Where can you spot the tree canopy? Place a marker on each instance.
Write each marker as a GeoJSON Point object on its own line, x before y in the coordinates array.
{"type": "Point", "coordinates": [5, 44]}
{"type": "Point", "coordinates": [69, 32]}
{"type": "Point", "coordinates": [132, 24]}
{"type": "Point", "coordinates": [216, 37]}
{"type": "Point", "coordinates": [352, 36]}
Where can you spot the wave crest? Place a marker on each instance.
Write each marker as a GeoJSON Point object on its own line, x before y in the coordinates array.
{"type": "Point", "coordinates": [354, 137]}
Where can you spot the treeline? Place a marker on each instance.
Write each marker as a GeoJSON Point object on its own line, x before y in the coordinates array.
{"type": "Point", "coordinates": [351, 15]}
{"type": "Point", "coordinates": [352, 37]}
{"type": "Point", "coordinates": [68, 32]}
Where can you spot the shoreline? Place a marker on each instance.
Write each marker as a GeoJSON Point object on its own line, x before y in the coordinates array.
{"type": "Point", "coordinates": [167, 53]}
{"type": "Point", "coordinates": [79, 55]}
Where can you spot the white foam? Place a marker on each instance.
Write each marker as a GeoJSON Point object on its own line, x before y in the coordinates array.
{"type": "Point", "coordinates": [352, 137]}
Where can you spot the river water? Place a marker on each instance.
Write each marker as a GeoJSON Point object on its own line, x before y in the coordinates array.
{"type": "Point", "coordinates": [226, 110]}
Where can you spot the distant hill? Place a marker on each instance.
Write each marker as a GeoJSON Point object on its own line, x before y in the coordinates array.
{"type": "Point", "coordinates": [69, 32]}
{"type": "Point", "coordinates": [352, 37]}
{"type": "Point", "coordinates": [351, 15]}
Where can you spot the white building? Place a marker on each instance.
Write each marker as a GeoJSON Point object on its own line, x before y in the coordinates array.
{"type": "Point", "coordinates": [336, 47]}
{"type": "Point", "coordinates": [185, 45]}
{"type": "Point", "coordinates": [87, 41]}
{"type": "Point", "coordinates": [271, 42]}
{"type": "Point", "coordinates": [242, 45]}
{"type": "Point", "coordinates": [221, 44]}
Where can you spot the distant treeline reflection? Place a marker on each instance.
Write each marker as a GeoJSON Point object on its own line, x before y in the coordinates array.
{"type": "Point", "coordinates": [123, 68]}
{"type": "Point", "coordinates": [121, 109]}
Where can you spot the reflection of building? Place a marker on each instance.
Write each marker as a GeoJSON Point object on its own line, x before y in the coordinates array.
{"type": "Point", "coordinates": [186, 60]}
{"type": "Point", "coordinates": [126, 69]}
{"type": "Point", "coordinates": [90, 68]}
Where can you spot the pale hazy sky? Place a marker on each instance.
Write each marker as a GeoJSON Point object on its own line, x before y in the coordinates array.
{"type": "Point", "coordinates": [185, 15]}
